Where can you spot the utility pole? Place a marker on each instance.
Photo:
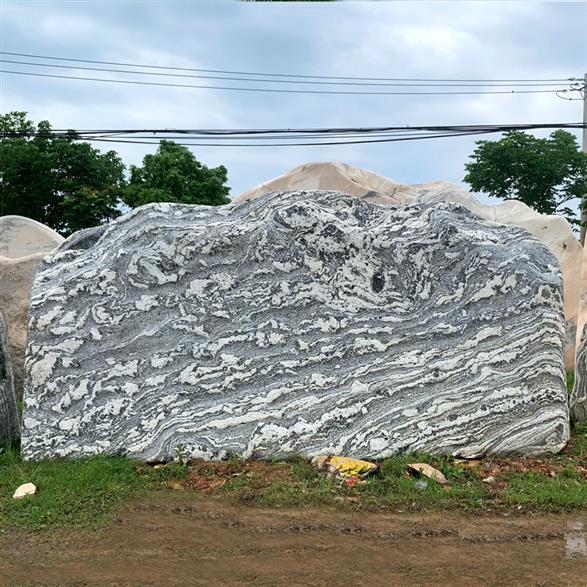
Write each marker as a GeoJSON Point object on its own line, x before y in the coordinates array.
{"type": "Point", "coordinates": [583, 202]}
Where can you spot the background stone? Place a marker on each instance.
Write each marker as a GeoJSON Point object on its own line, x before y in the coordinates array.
{"type": "Point", "coordinates": [9, 420]}
{"type": "Point", "coordinates": [22, 237]}
{"type": "Point", "coordinates": [23, 244]}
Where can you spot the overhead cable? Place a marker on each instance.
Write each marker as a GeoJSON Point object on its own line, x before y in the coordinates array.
{"type": "Point", "coordinates": [299, 137]}
{"type": "Point", "coordinates": [276, 90]}
{"type": "Point", "coordinates": [232, 72]}
{"type": "Point", "coordinates": [419, 84]}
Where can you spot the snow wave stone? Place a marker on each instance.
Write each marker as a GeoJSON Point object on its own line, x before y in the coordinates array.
{"type": "Point", "coordinates": [9, 420]}
{"type": "Point", "coordinates": [578, 401]}
{"type": "Point", "coordinates": [296, 323]}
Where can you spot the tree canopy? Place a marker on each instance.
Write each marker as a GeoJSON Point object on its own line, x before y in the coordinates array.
{"type": "Point", "coordinates": [544, 173]}
{"type": "Point", "coordinates": [68, 185]}
{"type": "Point", "coordinates": [173, 174]}
{"type": "Point", "coordinates": [58, 181]}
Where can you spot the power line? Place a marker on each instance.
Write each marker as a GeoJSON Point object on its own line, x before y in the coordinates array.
{"type": "Point", "coordinates": [114, 137]}
{"type": "Point", "coordinates": [306, 130]}
{"type": "Point", "coordinates": [290, 81]}
{"type": "Point", "coordinates": [277, 90]}
{"type": "Point", "coordinates": [262, 137]}
{"type": "Point", "coordinates": [230, 72]}
{"type": "Point", "coordinates": [307, 144]}
{"type": "Point", "coordinates": [302, 144]}
{"type": "Point", "coordinates": [314, 130]}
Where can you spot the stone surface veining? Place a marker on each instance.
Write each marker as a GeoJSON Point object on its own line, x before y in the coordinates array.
{"type": "Point", "coordinates": [9, 422]}
{"type": "Point", "coordinates": [578, 400]}
{"type": "Point", "coordinates": [553, 230]}
{"type": "Point", "coordinates": [296, 323]}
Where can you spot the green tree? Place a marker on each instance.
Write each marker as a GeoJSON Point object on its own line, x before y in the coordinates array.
{"type": "Point", "coordinates": [546, 174]}
{"type": "Point", "coordinates": [59, 181]}
{"type": "Point", "coordinates": [173, 174]}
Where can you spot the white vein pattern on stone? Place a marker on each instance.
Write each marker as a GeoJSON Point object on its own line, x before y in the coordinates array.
{"type": "Point", "coordinates": [9, 421]}
{"type": "Point", "coordinates": [579, 395]}
{"type": "Point", "coordinates": [296, 323]}
{"type": "Point", "coordinates": [554, 231]}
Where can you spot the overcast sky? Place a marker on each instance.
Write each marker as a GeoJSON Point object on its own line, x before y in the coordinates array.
{"type": "Point", "coordinates": [365, 39]}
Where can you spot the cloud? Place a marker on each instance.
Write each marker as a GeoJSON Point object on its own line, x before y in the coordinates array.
{"type": "Point", "coordinates": [444, 40]}
{"type": "Point", "coordinates": [382, 39]}
{"type": "Point", "coordinates": [78, 27]}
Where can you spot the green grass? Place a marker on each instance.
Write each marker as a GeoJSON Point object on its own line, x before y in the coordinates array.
{"type": "Point", "coordinates": [72, 492]}
{"type": "Point", "coordinates": [394, 488]}
{"type": "Point", "coordinates": [303, 486]}
{"type": "Point", "coordinates": [536, 491]}
{"type": "Point", "coordinates": [570, 380]}
{"type": "Point", "coordinates": [83, 493]}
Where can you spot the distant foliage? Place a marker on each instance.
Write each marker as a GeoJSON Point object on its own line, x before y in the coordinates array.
{"type": "Point", "coordinates": [60, 182]}
{"type": "Point", "coordinates": [68, 185]}
{"type": "Point", "coordinates": [173, 174]}
{"type": "Point", "coordinates": [546, 174]}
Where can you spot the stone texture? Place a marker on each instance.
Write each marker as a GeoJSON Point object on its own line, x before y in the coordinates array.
{"type": "Point", "coordinates": [22, 237]}
{"type": "Point", "coordinates": [582, 313]}
{"type": "Point", "coordinates": [298, 323]}
{"type": "Point", "coordinates": [23, 244]}
{"type": "Point", "coordinates": [9, 421]}
{"type": "Point", "coordinates": [578, 400]}
{"type": "Point", "coordinates": [579, 395]}
{"type": "Point", "coordinates": [553, 231]}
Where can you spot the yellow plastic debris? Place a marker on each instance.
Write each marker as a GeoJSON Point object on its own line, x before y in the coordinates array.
{"type": "Point", "coordinates": [344, 466]}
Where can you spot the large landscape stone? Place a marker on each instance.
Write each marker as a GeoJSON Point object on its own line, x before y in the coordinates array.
{"type": "Point", "coordinates": [9, 422]}
{"type": "Point", "coordinates": [554, 231]}
{"type": "Point", "coordinates": [296, 323]}
{"type": "Point", "coordinates": [23, 244]}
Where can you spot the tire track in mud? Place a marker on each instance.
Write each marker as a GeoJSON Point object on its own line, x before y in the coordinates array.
{"type": "Point", "coordinates": [179, 541]}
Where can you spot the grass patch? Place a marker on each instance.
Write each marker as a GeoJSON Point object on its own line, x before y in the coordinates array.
{"type": "Point", "coordinates": [83, 493]}
{"type": "Point", "coordinates": [72, 492]}
{"type": "Point", "coordinates": [546, 484]}
{"type": "Point", "coordinates": [570, 380]}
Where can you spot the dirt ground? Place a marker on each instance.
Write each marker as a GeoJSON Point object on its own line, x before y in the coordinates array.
{"type": "Point", "coordinates": [189, 540]}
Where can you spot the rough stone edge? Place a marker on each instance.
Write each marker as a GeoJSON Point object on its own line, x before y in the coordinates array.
{"type": "Point", "coordinates": [85, 239]}
{"type": "Point", "coordinates": [9, 405]}
{"type": "Point", "coordinates": [578, 399]}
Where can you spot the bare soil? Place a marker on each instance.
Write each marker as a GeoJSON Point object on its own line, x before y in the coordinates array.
{"type": "Point", "coordinates": [211, 476]}
{"type": "Point", "coordinates": [184, 539]}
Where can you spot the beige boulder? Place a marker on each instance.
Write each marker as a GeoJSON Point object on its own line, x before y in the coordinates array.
{"type": "Point", "coordinates": [21, 237]}
{"type": "Point", "coordinates": [23, 244]}
{"type": "Point", "coordinates": [554, 231]}
{"type": "Point", "coordinates": [339, 177]}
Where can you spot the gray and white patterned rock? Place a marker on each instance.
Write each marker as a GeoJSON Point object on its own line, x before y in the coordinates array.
{"type": "Point", "coordinates": [554, 231]}
{"type": "Point", "coordinates": [578, 401]}
{"type": "Point", "coordinates": [9, 421]}
{"type": "Point", "coordinates": [296, 323]}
